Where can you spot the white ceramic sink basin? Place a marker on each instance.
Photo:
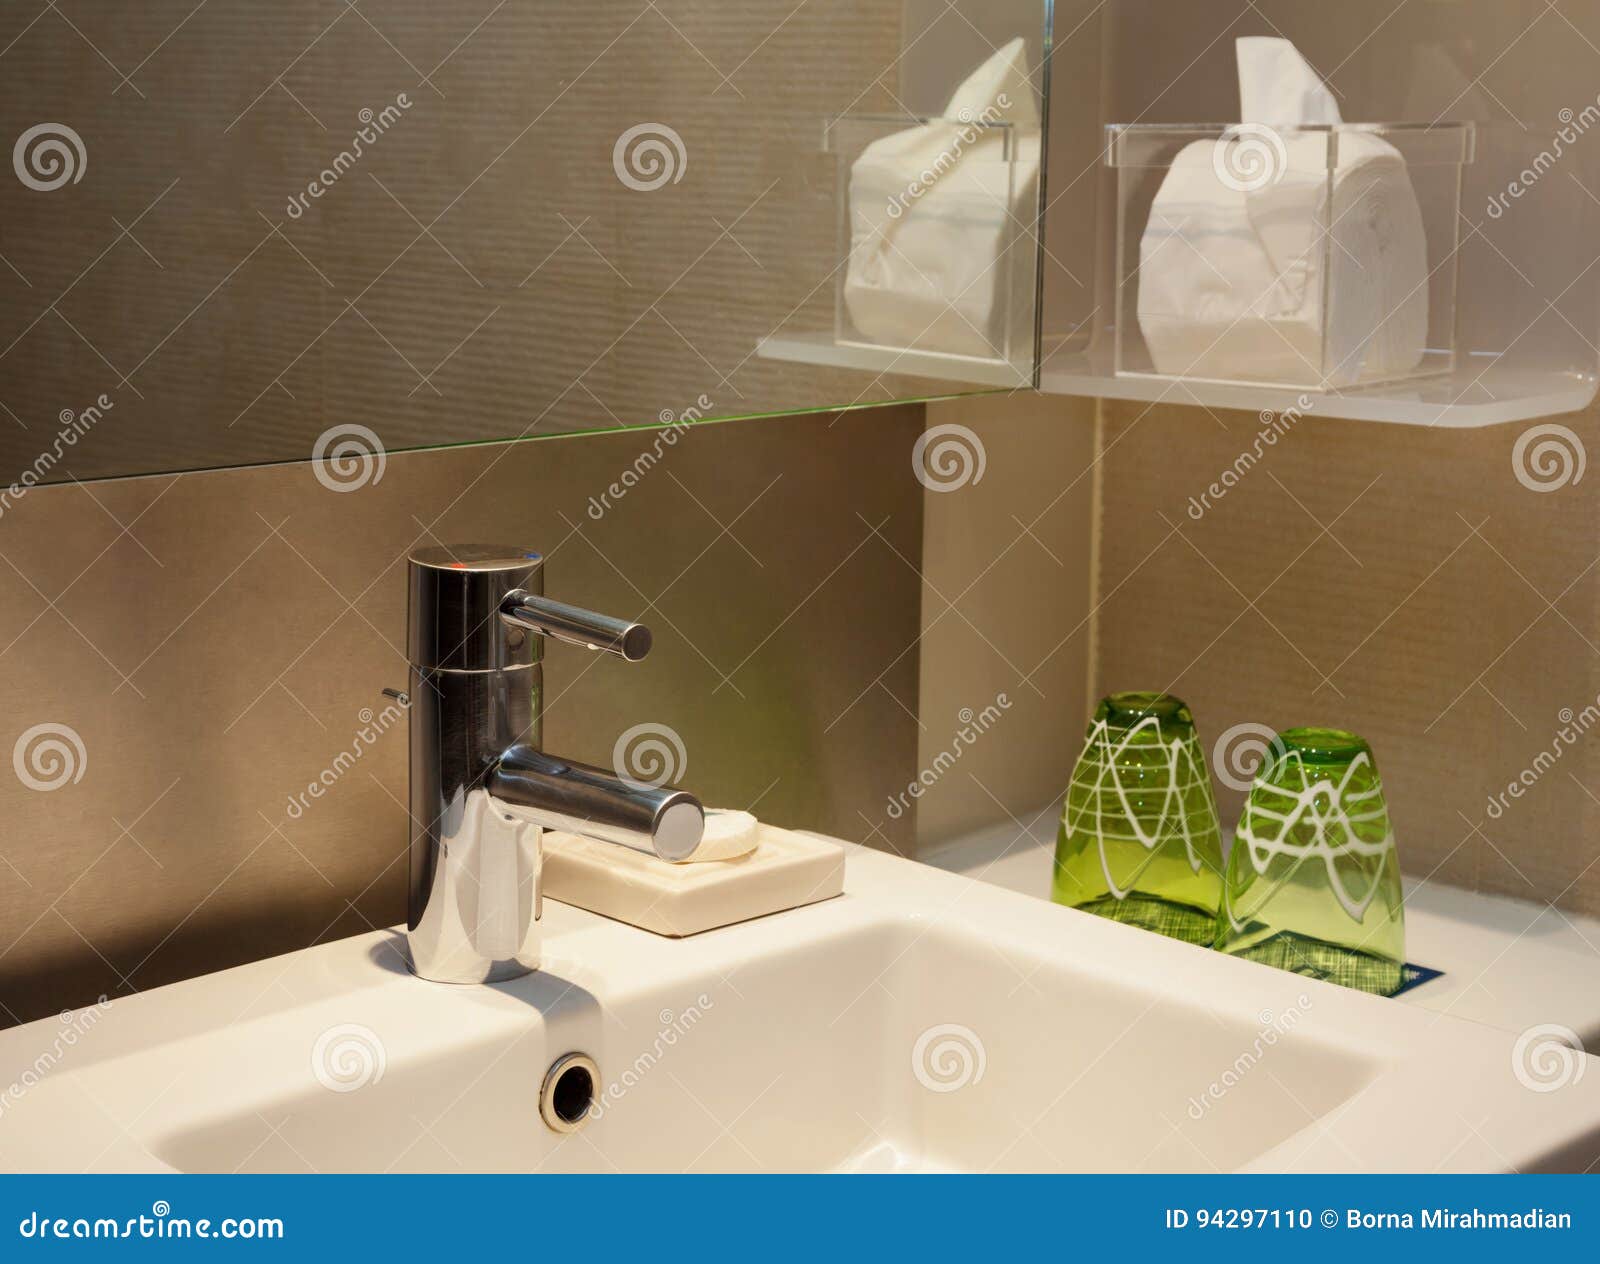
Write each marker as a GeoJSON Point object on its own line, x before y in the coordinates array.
{"type": "Point", "coordinates": [921, 1021]}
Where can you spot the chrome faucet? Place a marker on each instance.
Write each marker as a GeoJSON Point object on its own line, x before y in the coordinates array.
{"type": "Point", "coordinates": [482, 788]}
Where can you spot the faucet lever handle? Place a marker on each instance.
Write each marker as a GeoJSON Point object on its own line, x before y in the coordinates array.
{"type": "Point", "coordinates": [575, 625]}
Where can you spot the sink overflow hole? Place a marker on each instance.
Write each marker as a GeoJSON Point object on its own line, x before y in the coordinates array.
{"type": "Point", "coordinates": [568, 1092]}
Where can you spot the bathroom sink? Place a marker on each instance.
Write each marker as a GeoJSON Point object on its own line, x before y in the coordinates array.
{"type": "Point", "coordinates": [921, 1021]}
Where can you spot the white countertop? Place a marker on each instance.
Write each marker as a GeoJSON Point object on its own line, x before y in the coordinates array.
{"type": "Point", "coordinates": [1508, 963]}
{"type": "Point", "coordinates": [830, 1036]}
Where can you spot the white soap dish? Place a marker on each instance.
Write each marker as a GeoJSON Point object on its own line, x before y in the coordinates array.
{"type": "Point", "coordinates": [785, 870]}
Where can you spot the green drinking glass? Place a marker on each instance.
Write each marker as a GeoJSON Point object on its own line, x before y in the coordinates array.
{"type": "Point", "coordinates": [1313, 881]}
{"type": "Point", "coordinates": [1139, 840]}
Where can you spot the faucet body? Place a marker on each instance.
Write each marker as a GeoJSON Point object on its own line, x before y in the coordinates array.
{"type": "Point", "coordinates": [482, 787]}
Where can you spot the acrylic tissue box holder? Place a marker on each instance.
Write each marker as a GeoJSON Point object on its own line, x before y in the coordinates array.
{"type": "Point", "coordinates": [1318, 258]}
{"type": "Point", "coordinates": [936, 248]}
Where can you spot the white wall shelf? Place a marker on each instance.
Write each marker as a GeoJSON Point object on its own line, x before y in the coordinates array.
{"type": "Point", "coordinates": [821, 349]}
{"type": "Point", "coordinates": [1481, 392]}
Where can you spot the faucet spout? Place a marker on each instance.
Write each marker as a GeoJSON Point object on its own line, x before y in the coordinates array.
{"type": "Point", "coordinates": [561, 794]}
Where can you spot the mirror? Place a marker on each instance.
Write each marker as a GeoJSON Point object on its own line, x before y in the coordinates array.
{"type": "Point", "coordinates": [237, 236]}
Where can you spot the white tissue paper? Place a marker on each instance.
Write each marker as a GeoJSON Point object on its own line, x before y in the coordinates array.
{"type": "Point", "coordinates": [932, 212]}
{"type": "Point", "coordinates": [1255, 264]}
{"type": "Point", "coordinates": [1278, 85]}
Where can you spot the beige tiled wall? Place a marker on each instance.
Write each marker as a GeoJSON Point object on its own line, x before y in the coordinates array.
{"type": "Point", "coordinates": [1398, 581]}
{"type": "Point", "coordinates": [1007, 554]}
{"type": "Point", "coordinates": [216, 640]}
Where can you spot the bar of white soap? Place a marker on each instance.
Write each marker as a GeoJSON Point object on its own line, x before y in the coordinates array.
{"type": "Point", "coordinates": [783, 870]}
{"type": "Point", "coordinates": [729, 833]}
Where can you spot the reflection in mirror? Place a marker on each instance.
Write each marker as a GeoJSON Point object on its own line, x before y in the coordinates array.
{"type": "Point", "coordinates": [245, 235]}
